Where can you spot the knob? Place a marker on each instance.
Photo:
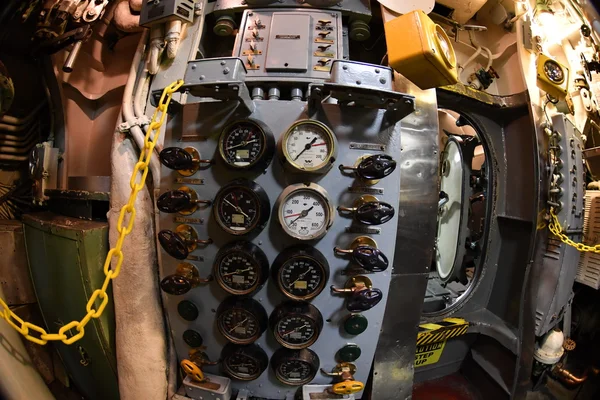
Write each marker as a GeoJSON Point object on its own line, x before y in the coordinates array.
{"type": "Point", "coordinates": [193, 367]}
{"type": "Point", "coordinates": [373, 167]}
{"type": "Point", "coordinates": [185, 278]}
{"type": "Point", "coordinates": [369, 211]}
{"type": "Point", "coordinates": [362, 297]}
{"type": "Point", "coordinates": [175, 201]}
{"type": "Point", "coordinates": [348, 385]}
{"type": "Point", "coordinates": [179, 244]}
{"type": "Point", "coordinates": [179, 159]}
{"type": "Point", "coordinates": [365, 253]}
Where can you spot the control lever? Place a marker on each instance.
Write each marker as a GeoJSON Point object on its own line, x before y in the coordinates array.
{"type": "Point", "coordinates": [184, 200]}
{"type": "Point", "coordinates": [365, 253]}
{"type": "Point", "coordinates": [373, 167]}
{"type": "Point", "coordinates": [368, 210]}
{"type": "Point", "coordinates": [180, 243]}
{"type": "Point", "coordinates": [179, 159]}
{"type": "Point", "coordinates": [192, 366]}
{"type": "Point", "coordinates": [363, 296]}
{"type": "Point", "coordinates": [348, 385]}
{"type": "Point", "coordinates": [185, 278]}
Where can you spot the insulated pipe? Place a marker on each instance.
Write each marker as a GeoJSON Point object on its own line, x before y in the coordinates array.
{"type": "Point", "coordinates": [173, 37]}
{"type": "Point", "coordinates": [157, 43]}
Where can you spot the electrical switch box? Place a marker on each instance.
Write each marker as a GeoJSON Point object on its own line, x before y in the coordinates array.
{"type": "Point", "coordinates": [159, 11]}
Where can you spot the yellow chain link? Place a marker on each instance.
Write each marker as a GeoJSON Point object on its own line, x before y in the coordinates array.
{"type": "Point", "coordinates": [140, 170]}
{"type": "Point", "coordinates": [557, 230]}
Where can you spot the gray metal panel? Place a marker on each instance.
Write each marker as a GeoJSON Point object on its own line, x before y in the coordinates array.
{"type": "Point", "coordinates": [288, 41]}
{"type": "Point", "coordinates": [201, 124]}
{"type": "Point", "coordinates": [359, 9]}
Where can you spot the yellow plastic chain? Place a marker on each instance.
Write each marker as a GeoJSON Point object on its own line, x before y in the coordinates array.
{"type": "Point", "coordinates": [140, 170]}
{"type": "Point", "coordinates": [557, 230]}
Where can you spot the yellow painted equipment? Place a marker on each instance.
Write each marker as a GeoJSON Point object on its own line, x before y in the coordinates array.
{"type": "Point", "coordinates": [552, 77]}
{"type": "Point", "coordinates": [420, 50]}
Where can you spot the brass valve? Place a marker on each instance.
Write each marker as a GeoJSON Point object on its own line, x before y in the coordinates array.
{"type": "Point", "coordinates": [185, 278]}
{"type": "Point", "coordinates": [345, 371]}
{"type": "Point", "coordinates": [362, 294]}
{"type": "Point", "coordinates": [365, 254]}
{"type": "Point", "coordinates": [192, 366]}
{"type": "Point", "coordinates": [183, 200]}
{"type": "Point", "coordinates": [368, 210]}
{"type": "Point", "coordinates": [371, 168]}
{"type": "Point", "coordinates": [180, 243]}
{"type": "Point", "coordinates": [185, 161]}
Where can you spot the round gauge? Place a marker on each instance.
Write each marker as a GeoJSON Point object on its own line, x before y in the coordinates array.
{"type": "Point", "coordinates": [301, 272]}
{"type": "Point", "coordinates": [246, 144]}
{"type": "Point", "coordinates": [241, 207]}
{"type": "Point", "coordinates": [296, 325]}
{"type": "Point", "coordinates": [295, 367]}
{"type": "Point", "coordinates": [554, 71]}
{"type": "Point", "coordinates": [241, 321]}
{"type": "Point", "coordinates": [309, 146]}
{"type": "Point", "coordinates": [244, 363]}
{"type": "Point", "coordinates": [241, 268]}
{"type": "Point", "coordinates": [305, 211]}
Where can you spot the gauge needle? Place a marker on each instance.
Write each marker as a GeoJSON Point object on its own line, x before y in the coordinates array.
{"type": "Point", "coordinates": [307, 146]}
{"type": "Point", "coordinates": [300, 276]}
{"type": "Point", "coordinates": [237, 208]}
{"type": "Point", "coordinates": [295, 330]}
{"type": "Point", "coordinates": [238, 325]}
{"type": "Point", "coordinates": [303, 214]}
{"type": "Point", "coordinates": [243, 143]}
{"type": "Point", "coordinates": [237, 271]}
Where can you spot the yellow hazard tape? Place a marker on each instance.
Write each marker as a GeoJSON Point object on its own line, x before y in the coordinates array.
{"type": "Point", "coordinates": [441, 331]}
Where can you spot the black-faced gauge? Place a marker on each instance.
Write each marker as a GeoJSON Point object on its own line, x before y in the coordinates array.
{"type": "Point", "coordinates": [295, 367]}
{"type": "Point", "coordinates": [241, 320]}
{"type": "Point", "coordinates": [246, 144]}
{"type": "Point", "coordinates": [296, 324]}
{"type": "Point", "coordinates": [301, 272]}
{"type": "Point", "coordinates": [241, 268]}
{"type": "Point", "coordinates": [241, 206]}
{"type": "Point", "coordinates": [308, 146]}
{"type": "Point", "coordinates": [243, 362]}
{"type": "Point", "coordinates": [305, 211]}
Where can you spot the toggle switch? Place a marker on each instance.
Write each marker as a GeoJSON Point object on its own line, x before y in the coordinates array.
{"type": "Point", "coordinates": [324, 61]}
{"type": "Point", "coordinates": [345, 371]}
{"type": "Point", "coordinates": [180, 243]}
{"type": "Point", "coordinates": [368, 210]}
{"type": "Point", "coordinates": [373, 167]}
{"type": "Point", "coordinates": [362, 295]}
{"type": "Point", "coordinates": [183, 200]}
{"type": "Point", "coordinates": [251, 61]}
{"type": "Point", "coordinates": [324, 34]}
{"type": "Point", "coordinates": [324, 47]}
{"type": "Point", "coordinates": [185, 278]}
{"type": "Point", "coordinates": [186, 161]}
{"type": "Point", "coordinates": [365, 254]}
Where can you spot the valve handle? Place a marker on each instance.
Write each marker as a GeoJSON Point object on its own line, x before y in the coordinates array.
{"type": "Point", "coordinates": [363, 300]}
{"type": "Point", "coordinates": [192, 370]}
{"type": "Point", "coordinates": [348, 387]}
{"type": "Point", "coordinates": [174, 201]}
{"type": "Point", "coordinates": [370, 258]}
{"type": "Point", "coordinates": [175, 285]}
{"type": "Point", "coordinates": [374, 213]}
{"type": "Point", "coordinates": [176, 158]}
{"type": "Point", "coordinates": [173, 244]}
{"type": "Point", "coordinates": [373, 167]}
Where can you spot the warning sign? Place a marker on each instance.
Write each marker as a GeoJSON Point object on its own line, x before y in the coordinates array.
{"type": "Point", "coordinates": [429, 353]}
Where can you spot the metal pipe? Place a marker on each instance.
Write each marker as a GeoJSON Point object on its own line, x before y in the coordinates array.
{"type": "Point", "coordinates": [70, 61]}
{"type": "Point", "coordinates": [567, 377]}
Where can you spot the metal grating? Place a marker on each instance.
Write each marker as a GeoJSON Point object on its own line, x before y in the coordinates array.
{"type": "Point", "coordinates": [588, 272]}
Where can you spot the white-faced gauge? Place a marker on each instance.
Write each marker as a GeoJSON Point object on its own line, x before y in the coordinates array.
{"type": "Point", "coordinates": [246, 144]}
{"type": "Point", "coordinates": [240, 268]}
{"type": "Point", "coordinates": [241, 206]}
{"type": "Point", "coordinates": [295, 367]}
{"type": "Point", "coordinates": [308, 146]}
{"type": "Point", "coordinates": [241, 320]}
{"type": "Point", "coordinates": [296, 324]}
{"type": "Point", "coordinates": [301, 272]}
{"type": "Point", "coordinates": [243, 362]}
{"type": "Point", "coordinates": [305, 211]}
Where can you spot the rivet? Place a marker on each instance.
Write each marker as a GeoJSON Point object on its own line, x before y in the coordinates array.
{"type": "Point", "coordinates": [382, 80]}
{"type": "Point", "coordinates": [193, 66]}
{"type": "Point", "coordinates": [223, 62]}
{"type": "Point", "coordinates": [358, 82]}
{"type": "Point", "coordinates": [201, 77]}
{"type": "Point", "coordinates": [226, 71]}
{"type": "Point", "coordinates": [376, 70]}
{"type": "Point", "coordinates": [345, 67]}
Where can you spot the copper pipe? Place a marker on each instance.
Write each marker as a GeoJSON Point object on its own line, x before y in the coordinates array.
{"type": "Point", "coordinates": [567, 377]}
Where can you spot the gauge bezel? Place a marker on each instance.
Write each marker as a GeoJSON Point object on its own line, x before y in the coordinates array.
{"type": "Point", "coordinates": [252, 351]}
{"type": "Point", "coordinates": [307, 356]}
{"type": "Point", "coordinates": [331, 155]}
{"type": "Point", "coordinates": [321, 192]}
{"type": "Point", "coordinates": [296, 252]}
{"type": "Point", "coordinates": [266, 155]}
{"type": "Point", "coordinates": [558, 67]}
{"type": "Point", "coordinates": [293, 309]}
{"type": "Point", "coordinates": [261, 197]}
{"type": "Point", "coordinates": [258, 257]}
{"type": "Point", "coordinates": [249, 305]}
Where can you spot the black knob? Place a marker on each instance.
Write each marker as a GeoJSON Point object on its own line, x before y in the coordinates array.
{"type": "Point", "coordinates": [175, 285]}
{"type": "Point", "coordinates": [173, 244]}
{"type": "Point", "coordinates": [370, 258]}
{"type": "Point", "coordinates": [174, 201]}
{"type": "Point", "coordinates": [363, 300]}
{"type": "Point", "coordinates": [374, 213]}
{"type": "Point", "coordinates": [376, 167]}
{"type": "Point", "coordinates": [176, 158]}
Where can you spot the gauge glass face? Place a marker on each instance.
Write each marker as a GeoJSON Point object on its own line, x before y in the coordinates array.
{"type": "Point", "coordinates": [309, 146]}
{"type": "Point", "coordinates": [238, 325]}
{"type": "Point", "coordinates": [238, 210]}
{"type": "Point", "coordinates": [238, 271]}
{"type": "Point", "coordinates": [305, 214]}
{"type": "Point", "coordinates": [242, 144]}
{"type": "Point", "coordinates": [243, 366]}
{"type": "Point", "coordinates": [301, 277]}
{"type": "Point", "coordinates": [553, 71]}
{"type": "Point", "coordinates": [294, 372]}
{"type": "Point", "coordinates": [296, 330]}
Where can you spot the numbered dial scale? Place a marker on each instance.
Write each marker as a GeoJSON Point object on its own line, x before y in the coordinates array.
{"type": "Point", "coordinates": [241, 206]}
{"type": "Point", "coordinates": [305, 211]}
{"type": "Point", "coordinates": [244, 363]}
{"type": "Point", "coordinates": [240, 268]}
{"type": "Point", "coordinates": [246, 144]}
{"type": "Point", "coordinates": [241, 320]}
{"type": "Point", "coordinates": [308, 146]}
{"type": "Point", "coordinates": [295, 367]}
{"type": "Point", "coordinates": [295, 324]}
{"type": "Point", "coordinates": [301, 272]}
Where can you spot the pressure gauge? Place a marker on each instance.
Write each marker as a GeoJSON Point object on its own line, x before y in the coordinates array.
{"type": "Point", "coordinates": [246, 144]}
{"type": "Point", "coordinates": [295, 367]}
{"type": "Point", "coordinates": [305, 211]}
{"type": "Point", "coordinates": [241, 206]}
{"type": "Point", "coordinates": [241, 320]}
{"type": "Point", "coordinates": [244, 363]}
{"type": "Point", "coordinates": [308, 146]}
{"type": "Point", "coordinates": [241, 268]}
{"type": "Point", "coordinates": [296, 325]}
{"type": "Point", "coordinates": [301, 272]}
{"type": "Point", "coordinates": [554, 72]}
